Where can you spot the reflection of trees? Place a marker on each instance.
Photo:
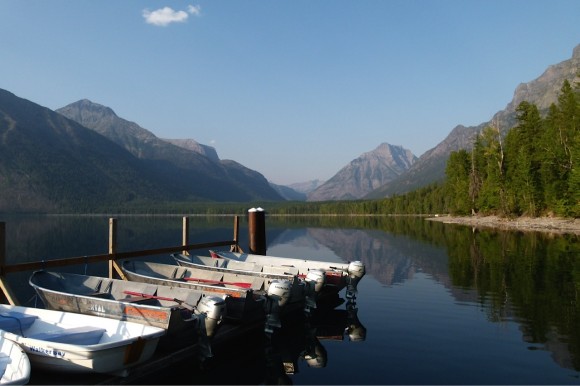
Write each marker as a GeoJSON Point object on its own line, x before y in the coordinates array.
{"type": "Point", "coordinates": [534, 276]}
{"type": "Point", "coordinates": [531, 278]}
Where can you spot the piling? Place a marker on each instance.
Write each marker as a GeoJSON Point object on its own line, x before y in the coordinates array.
{"type": "Point", "coordinates": [257, 231]}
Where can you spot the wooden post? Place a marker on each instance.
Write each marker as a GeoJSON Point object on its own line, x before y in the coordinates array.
{"type": "Point", "coordinates": [185, 235]}
{"type": "Point", "coordinates": [2, 247]}
{"type": "Point", "coordinates": [7, 292]}
{"type": "Point", "coordinates": [236, 246]}
{"type": "Point", "coordinates": [112, 245]}
{"type": "Point", "coordinates": [257, 231]}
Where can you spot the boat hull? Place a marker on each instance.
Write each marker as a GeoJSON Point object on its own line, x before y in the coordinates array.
{"type": "Point", "coordinates": [260, 279]}
{"type": "Point", "coordinates": [76, 343]}
{"type": "Point", "coordinates": [336, 277]}
{"type": "Point", "coordinates": [14, 364]}
{"type": "Point", "coordinates": [242, 306]}
{"type": "Point", "coordinates": [98, 296]}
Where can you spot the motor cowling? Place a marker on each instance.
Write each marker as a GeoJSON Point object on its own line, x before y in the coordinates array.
{"type": "Point", "coordinates": [278, 295]}
{"type": "Point", "coordinates": [280, 290]}
{"type": "Point", "coordinates": [214, 310]}
{"type": "Point", "coordinates": [356, 270]}
{"type": "Point", "coordinates": [316, 278]}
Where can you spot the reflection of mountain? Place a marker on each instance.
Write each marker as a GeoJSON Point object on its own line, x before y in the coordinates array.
{"type": "Point", "coordinates": [371, 246]}
{"type": "Point", "coordinates": [298, 237]}
{"type": "Point", "coordinates": [556, 345]}
{"type": "Point", "coordinates": [489, 270]}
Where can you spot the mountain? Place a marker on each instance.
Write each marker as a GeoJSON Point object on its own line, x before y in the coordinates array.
{"type": "Point", "coordinates": [288, 193]}
{"type": "Point", "coordinates": [306, 187]}
{"type": "Point", "coordinates": [365, 173]}
{"type": "Point", "coordinates": [193, 145]}
{"type": "Point", "coordinates": [190, 173]}
{"type": "Point", "coordinates": [51, 163]}
{"type": "Point", "coordinates": [430, 167]}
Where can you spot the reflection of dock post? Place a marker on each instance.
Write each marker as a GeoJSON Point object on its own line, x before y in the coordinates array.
{"type": "Point", "coordinates": [257, 231]}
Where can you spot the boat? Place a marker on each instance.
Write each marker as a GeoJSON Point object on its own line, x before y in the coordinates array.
{"type": "Point", "coordinates": [189, 316]}
{"type": "Point", "coordinates": [14, 363]}
{"type": "Point", "coordinates": [205, 267]}
{"type": "Point", "coordinates": [313, 289]}
{"type": "Point", "coordinates": [332, 277]}
{"type": "Point", "coordinates": [243, 305]}
{"type": "Point", "coordinates": [75, 343]}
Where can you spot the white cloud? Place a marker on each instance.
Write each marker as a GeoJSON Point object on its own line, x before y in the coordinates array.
{"type": "Point", "coordinates": [164, 16]}
{"type": "Point", "coordinates": [194, 10]}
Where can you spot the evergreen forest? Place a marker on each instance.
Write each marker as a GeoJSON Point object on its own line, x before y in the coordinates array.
{"type": "Point", "coordinates": [533, 171]}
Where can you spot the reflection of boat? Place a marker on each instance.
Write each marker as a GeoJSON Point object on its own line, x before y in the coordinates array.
{"type": "Point", "coordinates": [77, 343]}
{"type": "Point", "coordinates": [186, 314]}
{"type": "Point", "coordinates": [302, 340]}
{"type": "Point", "coordinates": [242, 304]}
{"type": "Point", "coordinates": [14, 363]}
{"type": "Point", "coordinates": [333, 276]}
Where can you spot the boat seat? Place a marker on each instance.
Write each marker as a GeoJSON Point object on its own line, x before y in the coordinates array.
{"type": "Point", "coordinates": [258, 283]}
{"type": "Point", "coordinates": [232, 264]}
{"type": "Point", "coordinates": [83, 335]}
{"type": "Point", "coordinates": [280, 270]}
{"type": "Point", "coordinates": [15, 321]}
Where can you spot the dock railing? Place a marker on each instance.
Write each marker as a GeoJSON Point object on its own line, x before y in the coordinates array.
{"type": "Point", "coordinates": [112, 256]}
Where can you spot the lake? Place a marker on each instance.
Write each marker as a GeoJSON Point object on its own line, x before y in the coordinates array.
{"type": "Point", "coordinates": [439, 304]}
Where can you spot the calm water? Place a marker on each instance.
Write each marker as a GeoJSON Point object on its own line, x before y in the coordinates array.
{"type": "Point", "coordinates": [440, 304]}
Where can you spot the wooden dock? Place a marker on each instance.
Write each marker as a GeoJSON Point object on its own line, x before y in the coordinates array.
{"type": "Point", "coordinates": [161, 360]}
{"type": "Point", "coordinates": [112, 256]}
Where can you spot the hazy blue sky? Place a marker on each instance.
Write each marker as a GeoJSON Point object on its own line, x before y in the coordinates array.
{"type": "Point", "coordinates": [293, 89]}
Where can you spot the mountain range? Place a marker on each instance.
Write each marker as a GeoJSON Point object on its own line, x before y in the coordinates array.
{"type": "Point", "coordinates": [85, 157]}
{"type": "Point", "coordinates": [430, 167]}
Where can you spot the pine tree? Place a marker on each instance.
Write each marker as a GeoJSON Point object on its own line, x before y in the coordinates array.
{"type": "Point", "coordinates": [523, 182]}
{"type": "Point", "coordinates": [457, 182]}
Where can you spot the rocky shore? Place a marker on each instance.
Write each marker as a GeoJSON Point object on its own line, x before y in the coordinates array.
{"type": "Point", "coordinates": [536, 224]}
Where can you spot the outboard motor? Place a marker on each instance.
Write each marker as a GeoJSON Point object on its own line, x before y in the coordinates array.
{"type": "Point", "coordinates": [278, 295]}
{"type": "Point", "coordinates": [356, 271]}
{"type": "Point", "coordinates": [210, 311]}
{"type": "Point", "coordinates": [315, 280]}
{"type": "Point", "coordinates": [214, 310]}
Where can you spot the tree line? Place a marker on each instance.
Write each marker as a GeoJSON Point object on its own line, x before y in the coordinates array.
{"type": "Point", "coordinates": [534, 170]}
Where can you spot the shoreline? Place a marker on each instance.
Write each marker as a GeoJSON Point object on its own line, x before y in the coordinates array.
{"type": "Point", "coordinates": [557, 225]}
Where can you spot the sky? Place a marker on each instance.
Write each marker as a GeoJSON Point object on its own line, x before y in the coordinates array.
{"type": "Point", "coordinates": [292, 89]}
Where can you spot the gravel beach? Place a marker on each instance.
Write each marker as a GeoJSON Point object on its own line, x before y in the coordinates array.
{"type": "Point", "coordinates": [536, 224]}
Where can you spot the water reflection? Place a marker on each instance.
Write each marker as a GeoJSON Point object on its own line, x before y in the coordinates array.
{"type": "Point", "coordinates": [278, 356]}
{"type": "Point", "coordinates": [529, 279]}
